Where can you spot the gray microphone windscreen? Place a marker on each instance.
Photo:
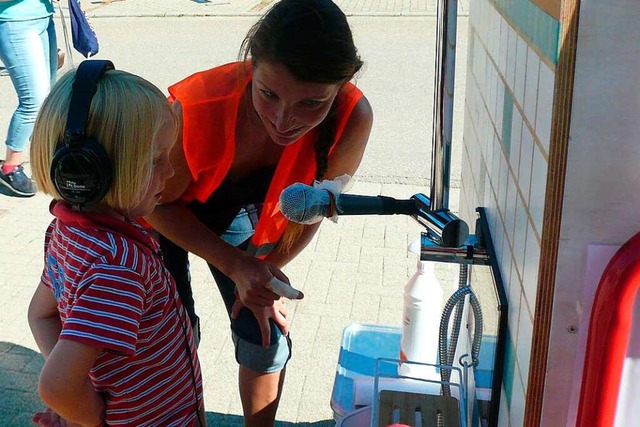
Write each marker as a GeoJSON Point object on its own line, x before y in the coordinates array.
{"type": "Point", "coordinates": [304, 204]}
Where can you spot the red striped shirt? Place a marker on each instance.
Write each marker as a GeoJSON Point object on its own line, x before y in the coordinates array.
{"type": "Point", "coordinates": [114, 293]}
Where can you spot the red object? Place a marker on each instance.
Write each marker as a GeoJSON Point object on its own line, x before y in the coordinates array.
{"type": "Point", "coordinates": [609, 330]}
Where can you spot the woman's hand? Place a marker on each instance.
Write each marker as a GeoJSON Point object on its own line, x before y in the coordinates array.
{"type": "Point", "coordinates": [252, 276]}
{"type": "Point", "coordinates": [277, 311]}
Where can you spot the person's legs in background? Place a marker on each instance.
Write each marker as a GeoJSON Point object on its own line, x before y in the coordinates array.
{"type": "Point", "coordinates": [28, 50]}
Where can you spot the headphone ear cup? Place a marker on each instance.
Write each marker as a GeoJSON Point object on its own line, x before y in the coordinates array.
{"type": "Point", "coordinates": [82, 173]}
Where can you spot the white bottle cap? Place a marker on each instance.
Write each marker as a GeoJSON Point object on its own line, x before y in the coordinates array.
{"type": "Point", "coordinates": [414, 247]}
{"type": "Point", "coordinates": [425, 266]}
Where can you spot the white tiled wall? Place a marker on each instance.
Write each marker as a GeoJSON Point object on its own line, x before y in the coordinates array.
{"type": "Point", "coordinates": [545, 103]}
{"type": "Point", "coordinates": [507, 175]}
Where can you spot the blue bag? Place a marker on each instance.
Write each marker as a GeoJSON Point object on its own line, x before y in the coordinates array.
{"type": "Point", "coordinates": [84, 38]}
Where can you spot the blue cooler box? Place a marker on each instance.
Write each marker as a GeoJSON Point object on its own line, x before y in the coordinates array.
{"type": "Point", "coordinates": [361, 345]}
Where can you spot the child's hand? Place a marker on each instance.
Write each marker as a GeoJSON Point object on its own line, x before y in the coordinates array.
{"type": "Point", "coordinates": [49, 418]}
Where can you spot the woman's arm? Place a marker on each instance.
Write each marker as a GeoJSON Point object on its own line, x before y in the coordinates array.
{"type": "Point", "coordinates": [280, 257]}
{"type": "Point", "coordinates": [177, 223]}
{"type": "Point", "coordinates": [347, 154]}
{"type": "Point", "coordinates": [44, 319]}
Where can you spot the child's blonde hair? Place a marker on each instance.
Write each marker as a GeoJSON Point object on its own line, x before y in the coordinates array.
{"type": "Point", "coordinates": [125, 115]}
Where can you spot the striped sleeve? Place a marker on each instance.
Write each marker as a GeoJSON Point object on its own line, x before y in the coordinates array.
{"type": "Point", "coordinates": [45, 277]}
{"type": "Point", "coordinates": [107, 309]}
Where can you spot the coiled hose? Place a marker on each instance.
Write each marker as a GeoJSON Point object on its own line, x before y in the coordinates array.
{"type": "Point", "coordinates": [446, 352]}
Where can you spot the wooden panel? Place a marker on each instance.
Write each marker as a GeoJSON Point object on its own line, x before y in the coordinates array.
{"type": "Point", "coordinates": [552, 7]}
{"type": "Point", "coordinates": [560, 126]}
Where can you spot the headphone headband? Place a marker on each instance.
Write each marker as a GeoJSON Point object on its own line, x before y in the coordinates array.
{"type": "Point", "coordinates": [85, 86]}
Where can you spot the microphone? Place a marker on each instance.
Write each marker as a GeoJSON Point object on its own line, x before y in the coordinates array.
{"type": "Point", "coordinates": [304, 204]}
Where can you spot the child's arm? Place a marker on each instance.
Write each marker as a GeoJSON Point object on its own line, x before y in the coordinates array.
{"type": "Point", "coordinates": [64, 383]}
{"type": "Point", "coordinates": [44, 319]}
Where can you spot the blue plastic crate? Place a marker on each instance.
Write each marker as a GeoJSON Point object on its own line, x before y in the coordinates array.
{"type": "Point", "coordinates": [361, 346]}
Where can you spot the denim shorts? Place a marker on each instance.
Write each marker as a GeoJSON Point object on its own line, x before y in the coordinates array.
{"type": "Point", "coordinates": [245, 329]}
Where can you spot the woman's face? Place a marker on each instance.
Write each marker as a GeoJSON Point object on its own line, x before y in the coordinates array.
{"type": "Point", "coordinates": [288, 107]}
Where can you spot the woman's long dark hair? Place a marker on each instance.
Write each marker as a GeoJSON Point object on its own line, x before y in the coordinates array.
{"type": "Point", "coordinates": [312, 39]}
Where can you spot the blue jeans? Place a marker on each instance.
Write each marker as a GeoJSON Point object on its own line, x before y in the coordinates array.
{"type": "Point", "coordinates": [29, 51]}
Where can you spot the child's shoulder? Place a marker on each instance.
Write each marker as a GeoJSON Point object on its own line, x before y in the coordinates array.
{"type": "Point", "coordinates": [105, 238]}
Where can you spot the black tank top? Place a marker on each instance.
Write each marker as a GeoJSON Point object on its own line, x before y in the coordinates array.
{"type": "Point", "coordinates": [223, 205]}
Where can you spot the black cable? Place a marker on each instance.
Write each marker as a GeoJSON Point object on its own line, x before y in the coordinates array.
{"type": "Point", "coordinates": [191, 365]}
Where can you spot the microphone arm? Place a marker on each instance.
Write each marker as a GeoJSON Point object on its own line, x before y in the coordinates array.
{"type": "Point", "coordinates": [445, 229]}
{"type": "Point", "coordinates": [348, 204]}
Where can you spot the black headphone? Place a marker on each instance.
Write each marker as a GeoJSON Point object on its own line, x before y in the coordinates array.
{"type": "Point", "coordinates": [81, 170]}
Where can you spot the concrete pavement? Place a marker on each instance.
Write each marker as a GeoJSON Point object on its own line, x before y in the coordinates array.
{"type": "Point", "coordinates": [351, 272]}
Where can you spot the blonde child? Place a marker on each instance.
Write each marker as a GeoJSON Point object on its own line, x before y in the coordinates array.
{"type": "Point", "coordinates": [106, 315]}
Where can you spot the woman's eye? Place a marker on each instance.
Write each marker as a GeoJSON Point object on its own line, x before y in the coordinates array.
{"type": "Point", "coordinates": [311, 103]}
{"type": "Point", "coordinates": [267, 93]}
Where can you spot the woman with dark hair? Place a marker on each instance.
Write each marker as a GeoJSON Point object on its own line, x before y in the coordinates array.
{"type": "Point", "coordinates": [285, 113]}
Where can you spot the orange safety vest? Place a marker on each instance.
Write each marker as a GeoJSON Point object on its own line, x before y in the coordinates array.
{"type": "Point", "coordinates": [210, 100]}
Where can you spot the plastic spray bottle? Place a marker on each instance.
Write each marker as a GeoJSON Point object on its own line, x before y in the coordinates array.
{"type": "Point", "coordinates": [421, 322]}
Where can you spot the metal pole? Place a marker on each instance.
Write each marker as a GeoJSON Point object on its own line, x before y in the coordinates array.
{"type": "Point", "coordinates": [443, 103]}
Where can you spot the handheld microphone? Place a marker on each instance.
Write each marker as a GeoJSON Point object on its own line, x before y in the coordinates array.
{"type": "Point", "coordinates": [304, 204]}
